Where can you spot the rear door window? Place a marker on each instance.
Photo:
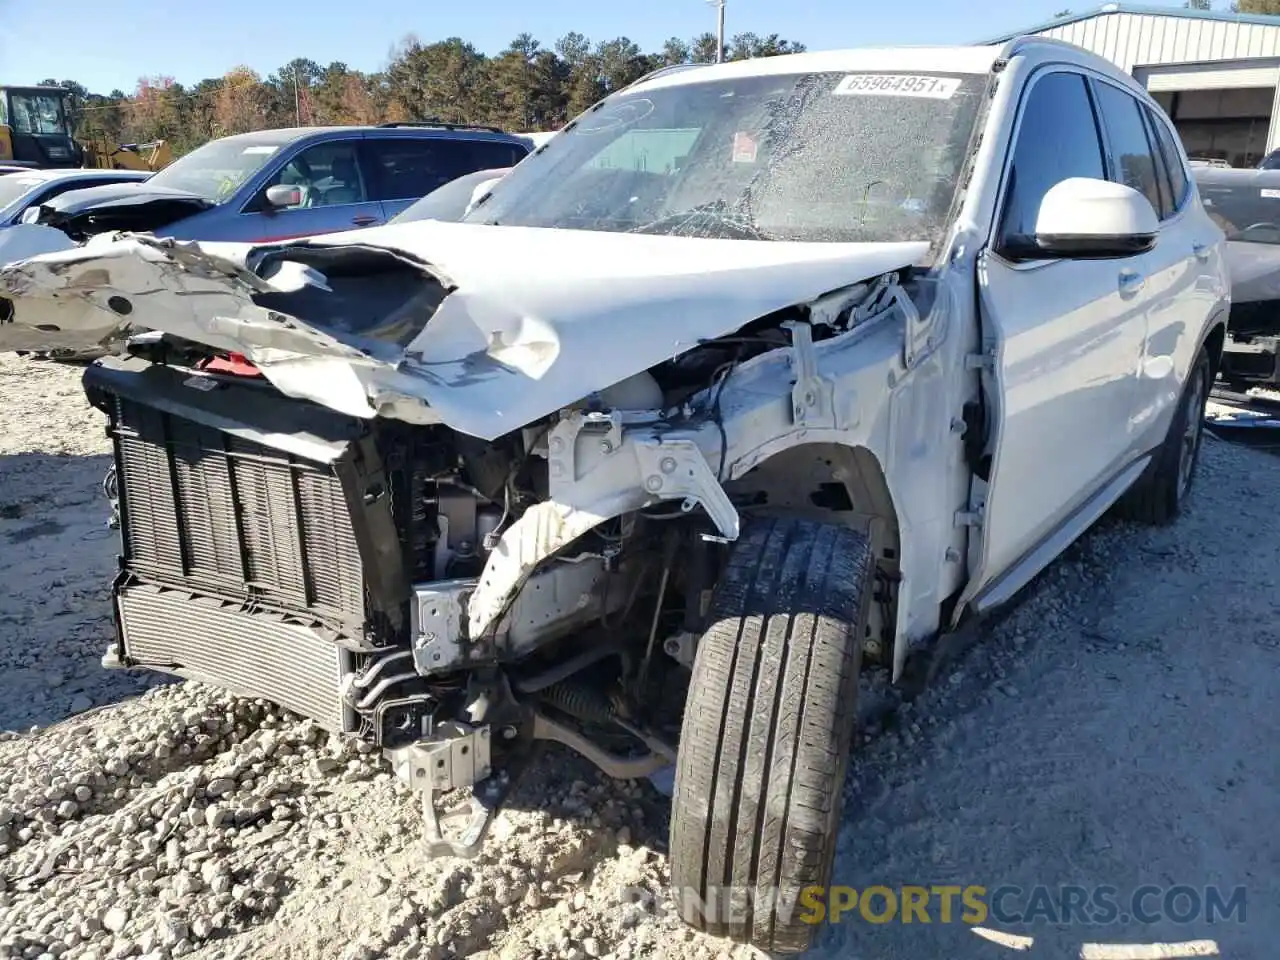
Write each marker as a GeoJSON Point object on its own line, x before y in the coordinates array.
{"type": "Point", "coordinates": [490, 154]}
{"type": "Point", "coordinates": [1132, 160]}
{"type": "Point", "coordinates": [1178, 179]}
{"type": "Point", "coordinates": [408, 169]}
{"type": "Point", "coordinates": [1164, 181]}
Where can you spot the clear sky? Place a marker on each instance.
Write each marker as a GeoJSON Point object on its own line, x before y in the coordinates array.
{"type": "Point", "coordinates": [107, 44]}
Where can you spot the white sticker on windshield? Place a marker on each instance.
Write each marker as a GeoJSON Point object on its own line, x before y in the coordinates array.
{"type": "Point", "coordinates": [1270, 194]}
{"type": "Point", "coordinates": [744, 148]}
{"type": "Point", "coordinates": [260, 149]}
{"type": "Point", "coordinates": [896, 85]}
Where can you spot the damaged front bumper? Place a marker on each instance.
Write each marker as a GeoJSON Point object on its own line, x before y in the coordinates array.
{"type": "Point", "coordinates": [284, 538]}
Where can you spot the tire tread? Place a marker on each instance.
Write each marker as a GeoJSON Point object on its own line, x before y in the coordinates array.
{"type": "Point", "coordinates": [768, 726]}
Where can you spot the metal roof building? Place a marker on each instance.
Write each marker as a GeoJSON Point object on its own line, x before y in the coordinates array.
{"type": "Point", "coordinates": [1216, 74]}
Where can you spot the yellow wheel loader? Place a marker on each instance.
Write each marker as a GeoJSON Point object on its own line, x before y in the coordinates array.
{"type": "Point", "coordinates": [36, 131]}
{"type": "Point", "coordinates": [35, 128]}
{"type": "Point", "coordinates": [152, 156]}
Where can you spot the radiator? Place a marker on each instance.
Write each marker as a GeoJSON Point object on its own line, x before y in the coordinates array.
{"type": "Point", "coordinates": [259, 546]}
{"type": "Point", "coordinates": [251, 654]}
{"type": "Point", "coordinates": [208, 509]}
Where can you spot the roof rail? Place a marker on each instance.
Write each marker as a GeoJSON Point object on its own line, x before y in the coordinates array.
{"type": "Point", "coordinates": [442, 125]}
{"type": "Point", "coordinates": [1015, 45]}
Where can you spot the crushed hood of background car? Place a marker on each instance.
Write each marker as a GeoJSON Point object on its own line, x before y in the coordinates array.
{"type": "Point", "coordinates": [483, 328]}
{"type": "Point", "coordinates": [135, 207]}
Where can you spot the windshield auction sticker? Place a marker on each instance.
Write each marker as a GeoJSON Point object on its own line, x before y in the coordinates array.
{"type": "Point", "coordinates": [896, 85]}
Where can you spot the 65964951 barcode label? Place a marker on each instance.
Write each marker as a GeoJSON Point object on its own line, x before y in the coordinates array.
{"type": "Point", "coordinates": [896, 85]}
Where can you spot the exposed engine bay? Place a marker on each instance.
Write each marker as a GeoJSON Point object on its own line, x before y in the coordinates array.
{"type": "Point", "coordinates": [457, 579]}
{"type": "Point", "coordinates": [326, 563]}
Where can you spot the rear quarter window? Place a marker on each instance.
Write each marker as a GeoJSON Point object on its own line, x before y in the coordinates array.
{"type": "Point", "coordinates": [409, 169]}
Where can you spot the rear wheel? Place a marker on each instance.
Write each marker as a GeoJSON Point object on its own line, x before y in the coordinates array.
{"type": "Point", "coordinates": [767, 732]}
{"type": "Point", "coordinates": [1160, 493]}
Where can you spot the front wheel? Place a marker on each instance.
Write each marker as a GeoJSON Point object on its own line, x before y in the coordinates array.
{"type": "Point", "coordinates": [767, 732]}
{"type": "Point", "coordinates": [1159, 495]}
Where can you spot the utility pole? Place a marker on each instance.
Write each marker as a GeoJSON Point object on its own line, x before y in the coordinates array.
{"type": "Point", "coordinates": [297, 99]}
{"type": "Point", "coordinates": [719, 31]}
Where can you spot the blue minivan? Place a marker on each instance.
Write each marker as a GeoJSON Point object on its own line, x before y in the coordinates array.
{"type": "Point", "coordinates": [280, 184]}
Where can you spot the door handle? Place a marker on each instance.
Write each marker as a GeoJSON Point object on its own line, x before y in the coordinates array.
{"type": "Point", "coordinates": [1131, 282]}
{"type": "Point", "coordinates": [364, 220]}
{"type": "Point", "coordinates": [1201, 250]}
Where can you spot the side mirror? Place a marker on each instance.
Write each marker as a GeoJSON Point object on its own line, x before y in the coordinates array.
{"type": "Point", "coordinates": [283, 195]}
{"type": "Point", "coordinates": [1086, 219]}
{"type": "Point", "coordinates": [480, 190]}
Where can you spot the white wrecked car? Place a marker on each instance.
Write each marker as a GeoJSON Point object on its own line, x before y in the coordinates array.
{"type": "Point", "coordinates": [764, 369]}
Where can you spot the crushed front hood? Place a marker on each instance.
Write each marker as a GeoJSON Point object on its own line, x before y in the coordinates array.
{"type": "Point", "coordinates": [483, 328]}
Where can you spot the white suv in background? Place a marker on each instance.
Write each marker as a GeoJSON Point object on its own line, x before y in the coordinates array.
{"type": "Point", "coordinates": [763, 370]}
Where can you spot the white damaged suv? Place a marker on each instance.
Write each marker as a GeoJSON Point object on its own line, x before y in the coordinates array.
{"type": "Point", "coordinates": [755, 374]}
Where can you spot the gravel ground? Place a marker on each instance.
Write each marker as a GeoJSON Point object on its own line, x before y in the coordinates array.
{"type": "Point", "coordinates": [1114, 729]}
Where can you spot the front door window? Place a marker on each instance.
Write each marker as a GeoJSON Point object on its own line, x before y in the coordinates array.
{"type": "Point", "coordinates": [327, 175]}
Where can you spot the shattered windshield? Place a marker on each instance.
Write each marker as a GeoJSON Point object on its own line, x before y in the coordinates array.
{"type": "Point", "coordinates": [1246, 208]}
{"type": "Point", "coordinates": [38, 113]}
{"type": "Point", "coordinates": [216, 171]}
{"type": "Point", "coordinates": [822, 157]}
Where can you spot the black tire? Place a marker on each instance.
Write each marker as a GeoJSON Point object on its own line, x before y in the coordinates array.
{"type": "Point", "coordinates": [1160, 493]}
{"type": "Point", "coordinates": [768, 727]}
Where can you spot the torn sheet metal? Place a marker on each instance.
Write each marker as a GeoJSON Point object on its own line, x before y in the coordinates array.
{"type": "Point", "coordinates": [532, 320]}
